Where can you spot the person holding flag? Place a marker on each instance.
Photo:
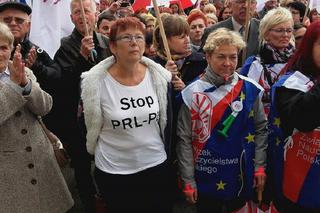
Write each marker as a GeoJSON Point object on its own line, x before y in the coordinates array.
{"type": "Point", "coordinates": [222, 131]}
{"type": "Point", "coordinates": [296, 120]}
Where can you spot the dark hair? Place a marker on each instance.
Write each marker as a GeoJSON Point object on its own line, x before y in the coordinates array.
{"type": "Point", "coordinates": [301, 58]}
{"type": "Point", "coordinates": [149, 38]}
{"type": "Point", "coordinates": [122, 24]}
{"type": "Point", "coordinates": [313, 11]}
{"type": "Point", "coordinates": [105, 15]}
{"type": "Point", "coordinates": [298, 6]}
{"type": "Point", "coordinates": [221, 13]}
{"type": "Point", "coordinates": [174, 25]}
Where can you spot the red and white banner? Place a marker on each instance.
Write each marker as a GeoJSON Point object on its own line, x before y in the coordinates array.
{"type": "Point", "coordinates": [148, 3]}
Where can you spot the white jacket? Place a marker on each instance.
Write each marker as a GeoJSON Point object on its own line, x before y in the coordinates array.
{"type": "Point", "coordinates": [91, 81]}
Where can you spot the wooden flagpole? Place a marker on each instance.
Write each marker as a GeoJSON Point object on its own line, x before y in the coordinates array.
{"type": "Point", "coordinates": [84, 20]}
{"type": "Point", "coordinates": [246, 30]}
{"type": "Point", "coordinates": [162, 32]}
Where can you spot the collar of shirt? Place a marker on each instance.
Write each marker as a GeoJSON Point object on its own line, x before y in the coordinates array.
{"type": "Point", "coordinates": [5, 74]}
{"type": "Point", "coordinates": [236, 25]}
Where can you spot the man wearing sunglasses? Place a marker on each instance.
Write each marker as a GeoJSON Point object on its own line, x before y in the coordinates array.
{"type": "Point", "coordinates": [17, 16]}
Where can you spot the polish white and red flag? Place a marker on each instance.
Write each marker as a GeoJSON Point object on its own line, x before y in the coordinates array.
{"type": "Point", "coordinates": [252, 207]}
{"type": "Point", "coordinates": [50, 21]}
{"type": "Point", "coordinates": [138, 4]}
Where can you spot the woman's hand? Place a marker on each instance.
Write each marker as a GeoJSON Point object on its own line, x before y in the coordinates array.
{"type": "Point", "coordinates": [177, 83]}
{"type": "Point", "coordinates": [191, 194]}
{"type": "Point", "coordinates": [172, 67]}
{"type": "Point", "coordinates": [16, 68]}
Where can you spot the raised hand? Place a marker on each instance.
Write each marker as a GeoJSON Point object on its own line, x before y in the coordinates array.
{"type": "Point", "coordinates": [87, 45]}
{"type": "Point", "coordinates": [16, 68]}
{"type": "Point", "coordinates": [32, 56]}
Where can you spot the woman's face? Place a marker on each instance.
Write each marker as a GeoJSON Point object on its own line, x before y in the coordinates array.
{"type": "Point", "coordinates": [315, 16]}
{"type": "Point", "coordinates": [279, 35]}
{"type": "Point", "coordinates": [179, 44]}
{"type": "Point", "coordinates": [5, 52]}
{"type": "Point", "coordinates": [175, 8]}
{"type": "Point", "coordinates": [129, 45]}
{"type": "Point", "coordinates": [211, 22]}
{"type": "Point", "coordinates": [223, 60]}
{"type": "Point", "coordinates": [197, 27]}
{"type": "Point", "coordinates": [226, 13]}
{"type": "Point", "coordinates": [316, 53]}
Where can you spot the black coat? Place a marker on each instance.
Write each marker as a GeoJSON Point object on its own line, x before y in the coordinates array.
{"type": "Point", "coordinates": [67, 97]}
{"type": "Point", "coordinates": [46, 70]}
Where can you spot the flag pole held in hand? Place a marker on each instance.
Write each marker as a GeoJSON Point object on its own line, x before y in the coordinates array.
{"type": "Point", "coordinates": [92, 52]}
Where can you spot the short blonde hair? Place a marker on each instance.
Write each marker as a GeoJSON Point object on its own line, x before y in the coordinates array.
{"type": "Point", "coordinates": [210, 7]}
{"type": "Point", "coordinates": [5, 34]}
{"type": "Point", "coordinates": [223, 36]}
{"type": "Point", "coordinates": [274, 17]}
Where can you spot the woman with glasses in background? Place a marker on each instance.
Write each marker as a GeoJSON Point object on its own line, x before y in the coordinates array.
{"type": "Point", "coordinates": [128, 117]}
{"type": "Point", "coordinates": [276, 32]}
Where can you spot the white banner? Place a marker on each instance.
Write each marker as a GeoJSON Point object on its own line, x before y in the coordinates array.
{"type": "Point", "coordinates": [50, 21]}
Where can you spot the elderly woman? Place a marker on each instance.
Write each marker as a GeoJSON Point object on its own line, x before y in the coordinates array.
{"type": "Point", "coordinates": [30, 178]}
{"type": "Point", "coordinates": [296, 101]}
{"type": "Point", "coordinates": [127, 115]}
{"type": "Point", "coordinates": [221, 131]}
{"type": "Point", "coordinates": [276, 32]}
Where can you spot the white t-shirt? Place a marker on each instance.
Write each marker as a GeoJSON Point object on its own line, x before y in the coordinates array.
{"type": "Point", "coordinates": [130, 139]}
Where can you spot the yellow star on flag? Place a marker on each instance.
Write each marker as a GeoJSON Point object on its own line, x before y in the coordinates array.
{"type": "Point", "coordinates": [277, 122]}
{"type": "Point", "coordinates": [220, 185]}
{"type": "Point", "coordinates": [251, 113]}
{"type": "Point", "coordinates": [250, 138]}
{"type": "Point", "coordinates": [242, 96]}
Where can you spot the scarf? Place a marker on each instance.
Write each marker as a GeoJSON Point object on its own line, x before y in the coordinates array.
{"type": "Point", "coordinates": [215, 79]}
{"type": "Point", "coordinates": [270, 55]}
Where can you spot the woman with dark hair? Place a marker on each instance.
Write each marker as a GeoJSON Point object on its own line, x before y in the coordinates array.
{"type": "Point", "coordinates": [314, 15]}
{"type": "Point", "coordinates": [128, 118]}
{"type": "Point", "coordinates": [296, 103]}
{"type": "Point", "coordinates": [225, 13]}
{"type": "Point", "coordinates": [185, 65]}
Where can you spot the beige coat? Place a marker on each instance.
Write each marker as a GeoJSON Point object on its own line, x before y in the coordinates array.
{"type": "Point", "coordinates": [30, 178]}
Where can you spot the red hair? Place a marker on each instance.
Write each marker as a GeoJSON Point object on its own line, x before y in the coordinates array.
{"type": "Point", "coordinates": [301, 59]}
{"type": "Point", "coordinates": [122, 24]}
{"type": "Point", "coordinates": [196, 15]}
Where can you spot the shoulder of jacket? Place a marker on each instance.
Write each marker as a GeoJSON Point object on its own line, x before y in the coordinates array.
{"type": "Point", "coordinates": [157, 69]}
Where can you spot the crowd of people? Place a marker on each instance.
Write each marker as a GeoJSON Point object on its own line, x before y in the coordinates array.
{"type": "Point", "coordinates": [218, 114]}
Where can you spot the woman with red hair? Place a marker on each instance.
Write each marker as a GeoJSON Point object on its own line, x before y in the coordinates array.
{"type": "Point", "coordinates": [197, 22]}
{"type": "Point", "coordinates": [176, 7]}
{"type": "Point", "coordinates": [296, 102]}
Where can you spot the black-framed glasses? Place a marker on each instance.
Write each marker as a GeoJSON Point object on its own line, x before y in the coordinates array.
{"type": "Point", "coordinates": [282, 30]}
{"type": "Point", "coordinates": [17, 20]}
{"type": "Point", "coordinates": [130, 38]}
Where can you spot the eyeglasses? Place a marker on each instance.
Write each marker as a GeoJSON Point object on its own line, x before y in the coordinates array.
{"type": "Point", "coordinates": [282, 30]}
{"type": "Point", "coordinates": [129, 38]}
{"type": "Point", "coordinates": [17, 20]}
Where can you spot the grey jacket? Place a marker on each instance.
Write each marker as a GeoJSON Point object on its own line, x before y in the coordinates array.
{"type": "Point", "coordinates": [30, 178]}
{"type": "Point", "coordinates": [184, 146]}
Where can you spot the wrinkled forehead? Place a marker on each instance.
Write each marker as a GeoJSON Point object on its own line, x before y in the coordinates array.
{"type": "Point", "coordinates": [14, 13]}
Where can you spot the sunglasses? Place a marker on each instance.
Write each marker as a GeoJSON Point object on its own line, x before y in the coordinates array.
{"type": "Point", "coordinates": [17, 20]}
